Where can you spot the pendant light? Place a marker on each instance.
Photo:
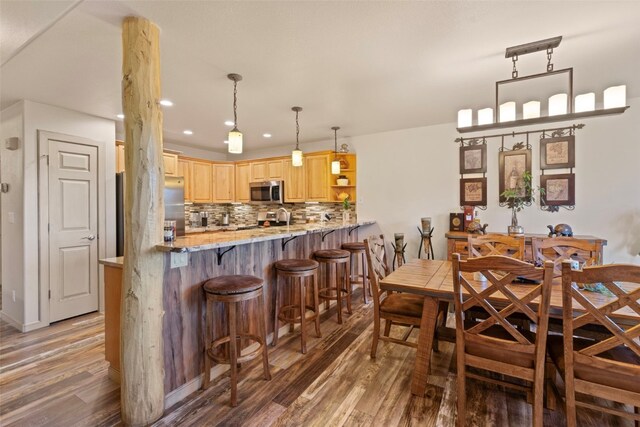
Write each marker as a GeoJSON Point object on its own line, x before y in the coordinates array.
{"type": "Point", "coordinates": [296, 155]}
{"type": "Point", "coordinates": [235, 136]}
{"type": "Point", "coordinates": [335, 165]}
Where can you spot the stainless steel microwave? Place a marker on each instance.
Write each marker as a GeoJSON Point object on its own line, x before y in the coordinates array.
{"type": "Point", "coordinates": [267, 191]}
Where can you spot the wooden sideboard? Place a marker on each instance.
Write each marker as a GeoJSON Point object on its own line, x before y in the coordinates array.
{"type": "Point", "coordinates": [457, 242]}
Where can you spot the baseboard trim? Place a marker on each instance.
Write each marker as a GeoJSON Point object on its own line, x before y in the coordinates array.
{"type": "Point", "coordinates": [13, 322]}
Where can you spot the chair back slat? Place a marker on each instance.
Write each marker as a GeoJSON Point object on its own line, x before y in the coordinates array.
{"type": "Point", "coordinates": [611, 277]}
{"type": "Point", "coordinates": [500, 271]}
{"type": "Point", "coordinates": [559, 249]}
{"type": "Point", "coordinates": [377, 265]}
{"type": "Point", "coordinates": [495, 244]}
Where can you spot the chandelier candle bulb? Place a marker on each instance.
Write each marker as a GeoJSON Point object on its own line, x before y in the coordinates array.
{"type": "Point", "coordinates": [558, 104]}
{"type": "Point", "coordinates": [585, 102]}
{"type": "Point", "coordinates": [531, 110]}
{"type": "Point", "coordinates": [485, 116]}
{"type": "Point", "coordinates": [465, 118]}
{"type": "Point", "coordinates": [615, 96]}
{"type": "Point", "coordinates": [508, 111]}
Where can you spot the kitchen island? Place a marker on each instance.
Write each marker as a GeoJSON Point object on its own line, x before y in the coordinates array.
{"type": "Point", "coordinates": [191, 260]}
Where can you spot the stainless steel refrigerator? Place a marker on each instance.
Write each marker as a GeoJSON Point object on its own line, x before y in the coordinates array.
{"type": "Point", "coordinates": [173, 206]}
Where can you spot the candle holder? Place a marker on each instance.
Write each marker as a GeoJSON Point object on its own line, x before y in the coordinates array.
{"type": "Point", "coordinates": [425, 239]}
{"type": "Point", "coordinates": [398, 250]}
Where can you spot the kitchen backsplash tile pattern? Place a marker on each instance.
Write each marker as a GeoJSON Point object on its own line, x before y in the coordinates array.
{"type": "Point", "coordinates": [247, 214]}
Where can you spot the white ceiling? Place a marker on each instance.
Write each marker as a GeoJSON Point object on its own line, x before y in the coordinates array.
{"type": "Point", "coordinates": [365, 66]}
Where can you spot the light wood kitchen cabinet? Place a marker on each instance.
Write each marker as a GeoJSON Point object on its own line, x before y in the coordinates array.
{"type": "Point", "coordinates": [184, 170]}
{"type": "Point", "coordinates": [223, 183]}
{"type": "Point", "coordinates": [201, 189]}
{"type": "Point", "coordinates": [267, 170]}
{"type": "Point", "coordinates": [243, 178]}
{"type": "Point", "coordinates": [294, 183]}
{"type": "Point", "coordinates": [170, 164]}
{"type": "Point", "coordinates": [317, 176]}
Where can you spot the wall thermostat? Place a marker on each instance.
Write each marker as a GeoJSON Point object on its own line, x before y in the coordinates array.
{"type": "Point", "coordinates": [12, 143]}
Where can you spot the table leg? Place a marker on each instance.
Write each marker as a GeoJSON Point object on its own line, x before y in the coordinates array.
{"type": "Point", "coordinates": [425, 344]}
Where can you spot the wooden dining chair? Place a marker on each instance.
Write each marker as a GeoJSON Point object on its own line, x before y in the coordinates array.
{"type": "Point", "coordinates": [495, 244]}
{"type": "Point", "coordinates": [559, 249]}
{"type": "Point", "coordinates": [394, 308]}
{"type": "Point", "coordinates": [494, 344]}
{"type": "Point", "coordinates": [608, 369]}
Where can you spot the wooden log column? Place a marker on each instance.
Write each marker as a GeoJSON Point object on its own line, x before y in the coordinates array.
{"type": "Point", "coordinates": [142, 362]}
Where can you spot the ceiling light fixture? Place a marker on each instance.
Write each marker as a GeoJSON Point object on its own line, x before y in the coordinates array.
{"type": "Point", "coordinates": [560, 107]}
{"type": "Point", "coordinates": [120, 116]}
{"type": "Point", "coordinates": [235, 136]}
{"type": "Point", "coordinates": [296, 155]}
{"type": "Point", "coordinates": [335, 164]}
{"type": "Point", "coordinates": [187, 132]}
{"type": "Point", "coordinates": [229, 123]}
{"type": "Point", "coordinates": [166, 103]}
{"type": "Point", "coordinates": [266, 135]}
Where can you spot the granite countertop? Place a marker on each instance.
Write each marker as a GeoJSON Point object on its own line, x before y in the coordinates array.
{"type": "Point", "coordinates": [194, 242]}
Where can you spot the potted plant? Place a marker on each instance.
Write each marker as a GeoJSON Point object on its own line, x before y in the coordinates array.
{"type": "Point", "coordinates": [346, 206]}
{"type": "Point", "coordinates": [517, 199]}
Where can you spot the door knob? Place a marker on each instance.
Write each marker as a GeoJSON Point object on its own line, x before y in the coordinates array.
{"type": "Point", "coordinates": [90, 237]}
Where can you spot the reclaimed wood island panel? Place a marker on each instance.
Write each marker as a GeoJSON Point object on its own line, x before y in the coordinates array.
{"type": "Point", "coordinates": [209, 255]}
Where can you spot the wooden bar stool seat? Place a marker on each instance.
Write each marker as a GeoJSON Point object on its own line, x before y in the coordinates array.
{"type": "Point", "coordinates": [332, 290]}
{"type": "Point", "coordinates": [359, 278]}
{"type": "Point", "coordinates": [231, 291]}
{"type": "Point", "coordinates": [306, 273]}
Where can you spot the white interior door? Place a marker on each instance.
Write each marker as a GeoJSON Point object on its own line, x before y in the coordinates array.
{"type": "Point", "coordinates": [73, 229]}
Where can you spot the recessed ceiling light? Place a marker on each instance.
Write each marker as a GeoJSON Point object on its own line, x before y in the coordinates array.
{"type": "Point", "coordinates": [187, 132]}
{"type": "Point", "coordinates": [166, 102]}
{"type": "Point", "coordinates": [266, 135]}
{"type": "Point", "coordinates": [120, 116]}
{"type": "Point", "coordinates": [229, 123]}
{"type": "Point", "coordinates": [226, 142]}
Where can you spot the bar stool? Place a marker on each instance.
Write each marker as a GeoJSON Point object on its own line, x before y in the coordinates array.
{"type": "Point", "coordinates": [306, 272]}
{"type": "Point", "coordinates": [232, 290]}
{"type": "Point", "coordinates": [355, 249]}
{"type": "Point", "coordinates": [333, 258]}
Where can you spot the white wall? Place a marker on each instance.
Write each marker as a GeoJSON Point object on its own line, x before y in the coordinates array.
{"type": "Point", "coordinates": [54, 119]}
{"type": "Point", "coordinates": [199, 153]}
{"type": "Point", "coordinates": [11, 125]}
{"type": "Point", "coordinates": [406, 174]}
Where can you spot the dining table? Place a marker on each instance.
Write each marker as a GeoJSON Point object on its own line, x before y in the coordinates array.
{"type": "Point", "coordinates": [433, 280]}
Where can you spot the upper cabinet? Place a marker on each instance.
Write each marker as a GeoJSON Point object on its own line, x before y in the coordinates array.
{"type": "Point", "coordinates": [201, 189]}
{"type": "Point", "coordinates": [184, 170]}
{"type": "Point", "coordinates": [317, 174]}
{"type": "Point", "coordinates": [294, 182]}
{"type": "Point", "coordinates": [170, 164]}
{"type": "Point", "coordinates": [223, 183]}
{"type": "Point", "coordinates": [243, 178]}
{"type": "Point", "coordinates": [266, 170]}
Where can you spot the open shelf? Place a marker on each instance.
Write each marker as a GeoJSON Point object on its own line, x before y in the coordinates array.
{"type": "Point", "coordinates": [343, 186]}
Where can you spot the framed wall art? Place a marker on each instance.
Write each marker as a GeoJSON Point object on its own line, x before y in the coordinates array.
{"type": "Point", "coordinates": [559, 189]}
{"type": "Point", "coordinates": [473, 192]}
{"type": "Point", "coordinates": [557, 152]}
{"type": "Point", "coordinates": [513, 164]}
{"type": "Point", "coordinates": [473, 159]}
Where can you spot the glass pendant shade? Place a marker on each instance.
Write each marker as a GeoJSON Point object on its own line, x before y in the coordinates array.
{"type": "Point", "coordinates": [335, 167]}
{"type": "Point", "coordinates": [531, 110]}
{"type": "Point", "coordinates": [296, 158]}
{"type": "Point", "coordinates": [585, 102]}
{"type": "Point", "coordinates": [485, 116]}
{"type": "Point", "coordinates": [508, 111]}
{"type": "Point", "coordinates": [465, 118]}
{"type": "Point", "coordinates": [615, 96]}
{"type": "Point", "coordinates": [235, 141]}
{"type": "Point", "coordinates": [558, 104]}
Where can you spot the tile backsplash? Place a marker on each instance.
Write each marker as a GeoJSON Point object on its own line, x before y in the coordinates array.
{"type": "Point", "coordinates": [247, 214]}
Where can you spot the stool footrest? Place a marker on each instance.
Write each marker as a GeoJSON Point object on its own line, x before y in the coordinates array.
{"type": "Point", "coordinates": [296, 319]}
{"type": "Point", "coordinates": [242, 358]}
{"type": "Point", "coordinates": [324, 293]}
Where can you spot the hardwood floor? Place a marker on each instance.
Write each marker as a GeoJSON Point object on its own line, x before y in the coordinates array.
{"type": "Point", "coordinates": [58, 377]}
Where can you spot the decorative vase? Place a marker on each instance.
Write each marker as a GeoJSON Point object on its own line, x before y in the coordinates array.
{"type": "Point", "coordinates": [342, 180]}
{"type": "Point", "coordinates": [346, 216]}
{"type": "Point", "coordinates": [514, 229]}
